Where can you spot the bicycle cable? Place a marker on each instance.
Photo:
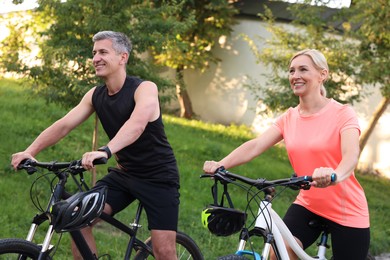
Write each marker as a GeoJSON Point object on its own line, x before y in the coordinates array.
{"type": "Point", "coordinates": [35, 192]}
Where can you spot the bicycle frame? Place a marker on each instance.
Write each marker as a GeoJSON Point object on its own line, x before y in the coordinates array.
{"type": "Point", "coordinates": [186, 248]}
{"type": "Point", "coordinates": [79, 240]}
{"type": "Point", "coordinates": [275, 230]}
{"type": "Point", "coordinates": [268, 223]}
{"type": "Point", "coordinates": [85, 251]}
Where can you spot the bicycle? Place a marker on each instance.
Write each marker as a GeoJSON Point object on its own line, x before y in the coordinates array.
{"type": "Point", "coordinates": [268, 225]}
{"type": "Point", "coordinates": [12, 248]}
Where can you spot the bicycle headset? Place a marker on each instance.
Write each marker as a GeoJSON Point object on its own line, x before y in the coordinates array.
{"type": "Point", "coordinates": [79, 210]}
{"type": "Point", "coordinates": [220, 220]}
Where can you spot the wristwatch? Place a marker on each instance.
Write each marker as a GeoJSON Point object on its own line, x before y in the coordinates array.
{"type": "Point", "coordinates": [107, 150]}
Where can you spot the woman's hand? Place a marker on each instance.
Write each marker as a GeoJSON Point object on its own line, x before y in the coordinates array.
{"type": "Point", "coordinates": [322, 177]}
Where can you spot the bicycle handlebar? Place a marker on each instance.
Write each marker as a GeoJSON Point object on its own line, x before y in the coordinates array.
{"type": "Point", "coordinates": [74, 167]}
{"type": "Point", "coordinates": [302, 182]}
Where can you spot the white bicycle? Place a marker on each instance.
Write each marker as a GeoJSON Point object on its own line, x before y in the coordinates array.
{"type": "Point", "coordinates": [268, 225]}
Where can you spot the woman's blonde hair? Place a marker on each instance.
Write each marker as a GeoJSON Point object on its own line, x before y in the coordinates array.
{"type": "Point", "coordinates": [319, 62]}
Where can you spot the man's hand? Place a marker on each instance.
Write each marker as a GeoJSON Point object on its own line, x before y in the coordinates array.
{"type": "Point", "coordinates": [89, 157]}
{"type": "Point", "coordinates": [210, 166]}
{"type": "Point", "coordinates": [17, 158]}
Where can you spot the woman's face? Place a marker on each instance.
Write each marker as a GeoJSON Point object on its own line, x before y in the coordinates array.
{"type": "Point", "coordinates": [304, 77]}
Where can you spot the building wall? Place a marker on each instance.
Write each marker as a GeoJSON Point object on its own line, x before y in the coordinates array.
{"type": "Point", "coordinates": [220, 94]}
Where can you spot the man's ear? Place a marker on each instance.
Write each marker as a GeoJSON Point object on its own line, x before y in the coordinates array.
{"type": "Point", "coordinates": [124, 58]}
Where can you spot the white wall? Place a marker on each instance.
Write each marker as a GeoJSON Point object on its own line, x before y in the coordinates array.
{"type": "Point", "coordinates": [219, 95]}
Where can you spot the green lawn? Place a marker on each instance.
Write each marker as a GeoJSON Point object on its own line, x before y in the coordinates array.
{"type": "Point", "coordinates": [23, 116]}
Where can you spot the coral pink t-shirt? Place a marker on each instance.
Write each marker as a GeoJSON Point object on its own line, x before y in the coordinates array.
{"type": "Point", "coordinates": [315, 141]}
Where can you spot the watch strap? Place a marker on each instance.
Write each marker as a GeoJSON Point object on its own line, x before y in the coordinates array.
{"type": "Point", "coordinates": [106, 150]}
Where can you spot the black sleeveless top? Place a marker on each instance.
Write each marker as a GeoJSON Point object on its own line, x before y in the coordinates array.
{"type": "Point", "coordinates": [150, 157]}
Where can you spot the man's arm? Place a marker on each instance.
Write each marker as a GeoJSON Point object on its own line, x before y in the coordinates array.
{"type": "Point", "coordinates": [147, 109]}
{"type": "Point", "coordinates": [58, 129]}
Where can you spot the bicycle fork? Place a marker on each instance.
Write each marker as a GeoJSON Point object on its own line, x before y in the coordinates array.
{"type": "Point", "coordinates": [264, 227]}
{"type": "Point", "coordinates": [45, 246]}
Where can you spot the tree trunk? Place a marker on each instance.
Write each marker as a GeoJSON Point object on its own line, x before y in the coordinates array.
{"type": "Point", "coordinates": [182, 95]}
{"type": "Point", "coordinates": [94, 146]}
{"type": "Point", "coordinates": [380, 109]}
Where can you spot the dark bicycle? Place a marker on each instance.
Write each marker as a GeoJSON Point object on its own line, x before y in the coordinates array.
{"type": "Point", "coordinates": [91, 201]}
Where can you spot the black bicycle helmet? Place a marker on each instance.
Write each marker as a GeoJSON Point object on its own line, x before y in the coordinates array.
{"type": "Point", "coordinates": [223, 221]}
{"type": "Point", "coordinates": [79, 210]}
{"type": "Point", "coordinates": [220, 220]}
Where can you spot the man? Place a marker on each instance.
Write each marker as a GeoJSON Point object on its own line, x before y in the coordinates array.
{"type": "Point", "coordinates": [129, 110]}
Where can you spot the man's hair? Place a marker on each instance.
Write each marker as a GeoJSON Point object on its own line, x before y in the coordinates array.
{"type": "Point", "coordinates": [120, 42]}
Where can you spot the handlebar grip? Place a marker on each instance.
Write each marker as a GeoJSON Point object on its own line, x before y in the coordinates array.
{"type": "Point", "coordinates": [95, 162]}
{"type": "Point", "coordinates": [333, 177]}
{"type": "Point", "coordinates": [102, 160]}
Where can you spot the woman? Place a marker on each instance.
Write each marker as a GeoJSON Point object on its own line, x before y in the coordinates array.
{"type": "Point", "coordinates": [321, 137]}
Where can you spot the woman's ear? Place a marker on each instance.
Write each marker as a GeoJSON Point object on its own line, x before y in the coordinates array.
{"type": "Point", "coordinates": [324, 74]}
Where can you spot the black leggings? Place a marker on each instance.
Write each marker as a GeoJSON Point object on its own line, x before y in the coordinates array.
{"type": "Point", "coordinates": [347, 242]}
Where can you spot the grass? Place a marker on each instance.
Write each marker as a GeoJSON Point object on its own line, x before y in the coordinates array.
{"type": "Point", "coordinates": [24, 116]}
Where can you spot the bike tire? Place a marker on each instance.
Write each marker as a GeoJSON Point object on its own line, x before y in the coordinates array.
{"type": "Point", "coordinates": [186, 248]}
{"type": "Point", "coordinates": [15, 248]}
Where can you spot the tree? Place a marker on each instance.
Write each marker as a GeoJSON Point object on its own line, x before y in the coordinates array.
{"type": "Point", "coordinates": [63, 69]}
{"type": "Point", "coordinates": [357, 53]}
{"type": "Point", "coordinates": [179, 34]}
{"type": "Point", "coordinates": [192, 48]}
{"type": "Point", "coordinates": [374, 52]}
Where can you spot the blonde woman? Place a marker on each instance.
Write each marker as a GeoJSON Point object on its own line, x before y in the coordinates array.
{"type": "Point", "coordinates": [321, 138]}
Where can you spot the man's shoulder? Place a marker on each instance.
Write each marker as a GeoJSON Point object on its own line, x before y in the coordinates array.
{"type": "Point", "coordinates": [133, 80]}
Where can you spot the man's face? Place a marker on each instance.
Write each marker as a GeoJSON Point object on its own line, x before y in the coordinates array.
{"type": "Point", "coordinates": [105, 60]}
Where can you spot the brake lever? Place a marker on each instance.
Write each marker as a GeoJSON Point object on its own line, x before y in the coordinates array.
{"type": "Point", "coordinates": [27, 165]}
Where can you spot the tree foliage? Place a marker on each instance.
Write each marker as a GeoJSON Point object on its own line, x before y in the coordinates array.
{"type": "Point", "coordinates": [358, 52]}
{"type": "Point", "coordinates": [311, 31]}
{"type": "Point", "coordinates": [179, 34]}
{"type": "Point", "coordinates": [192, 47]}
{"type": "Point", "coordinates": [373, 33]}
{"type": "Point", "coordinates": [63, 69]}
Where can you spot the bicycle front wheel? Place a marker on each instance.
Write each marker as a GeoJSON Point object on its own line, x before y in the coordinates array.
{"type": "Point", "coordinates": [15, 248]}
{"type": "Point", "coordinates": [186, 248]}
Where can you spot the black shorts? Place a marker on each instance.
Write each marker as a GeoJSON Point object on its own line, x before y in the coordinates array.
{"type": "Point", "coordinates": [160, 200]}
{"type": "Point", "coordinates": [347, 242]}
